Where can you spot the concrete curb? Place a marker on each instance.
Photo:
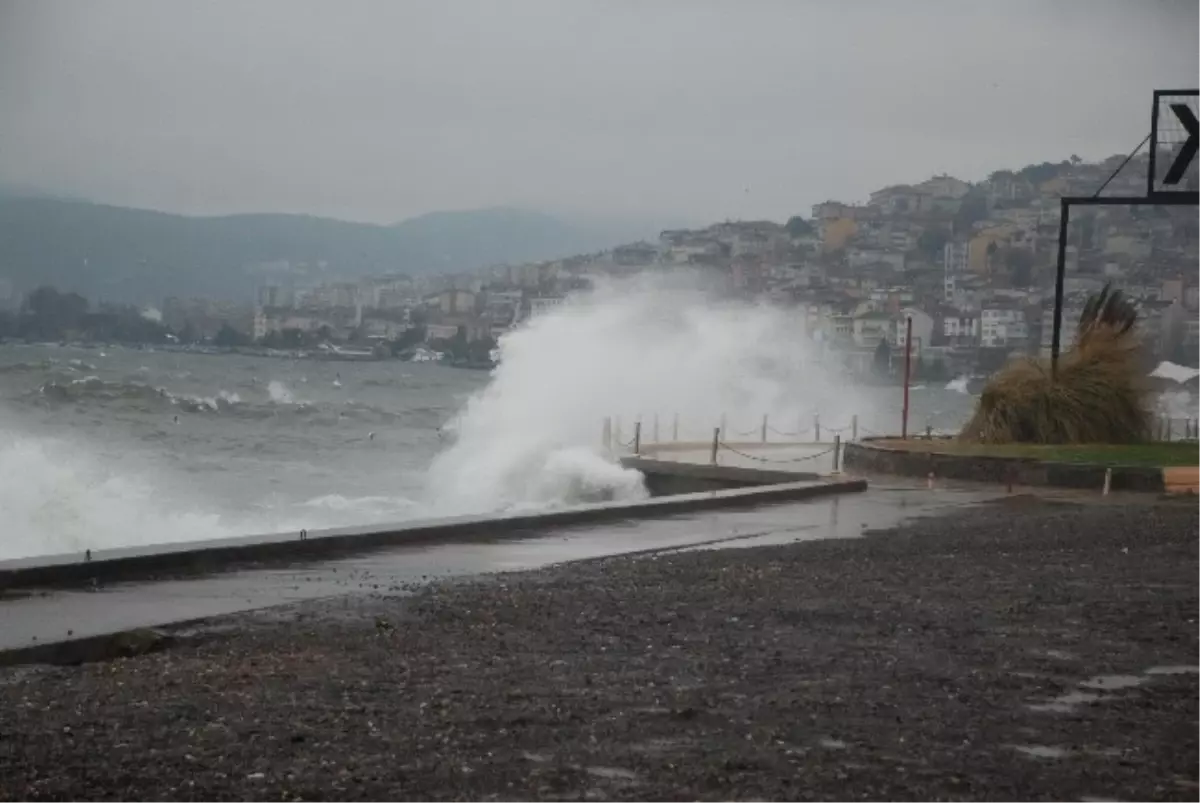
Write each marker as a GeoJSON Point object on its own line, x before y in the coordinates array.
{"type": "Point", "coordinates": [665, 477]}
{"type": "Point", "coordinates": [121, 565]}
{"type": "Point", "coordinates": [872, 457]}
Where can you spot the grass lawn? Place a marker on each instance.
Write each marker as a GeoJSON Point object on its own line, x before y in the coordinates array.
{"type": "Point", "coordinates": [1141, 454]}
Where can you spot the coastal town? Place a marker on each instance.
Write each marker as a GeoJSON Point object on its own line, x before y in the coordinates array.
{"type": "Point", "coordinates": [971, 264]}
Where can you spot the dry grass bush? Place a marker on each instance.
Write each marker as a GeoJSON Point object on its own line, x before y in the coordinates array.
{"type": "Point", "coordinates": [1100, 395]}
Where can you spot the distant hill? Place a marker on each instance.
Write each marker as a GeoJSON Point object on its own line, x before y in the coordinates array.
{"type": "Point", "coordinates": [137, 255]}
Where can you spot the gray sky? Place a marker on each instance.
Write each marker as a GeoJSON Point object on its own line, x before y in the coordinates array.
{"type": "Point", "coordinates": [698, 109]}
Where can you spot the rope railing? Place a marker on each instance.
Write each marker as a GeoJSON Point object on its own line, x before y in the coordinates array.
{"type": "Point", "coordinates": [783, 434]}
{"type": "Point", "coordinates": [761, 459]}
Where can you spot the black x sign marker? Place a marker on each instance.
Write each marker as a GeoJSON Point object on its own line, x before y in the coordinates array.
{"type": "Point", "coordinates": [1188, 152]}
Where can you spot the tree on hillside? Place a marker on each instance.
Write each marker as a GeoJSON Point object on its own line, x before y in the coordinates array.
{"type": "Point", "coordinates": [799, 227]}
{"type": "Point", "coordinates": [932, 242]}
{"type": "Point", "coordinates": [1040, 173]}
{"type": "Point", "coordinates": [882, 361]}
{"type": "Point", "coordinates": [228, 337]}
{"type": "Point", "coordinates": [47, 313]}
{"type": "Point", "coordinates": [1020, 266]}
{"type": "Point", "coordinates": [973, 209]}
{"type": "Point", "coordinates": [411, 337]}
{"type": "Point", "coordinates": [481, 350]}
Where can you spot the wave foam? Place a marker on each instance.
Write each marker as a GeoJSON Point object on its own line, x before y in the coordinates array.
{"type": "Point", "coordinates": [632, 348]}
{"type": "Point", "coordinates": [57, 500]}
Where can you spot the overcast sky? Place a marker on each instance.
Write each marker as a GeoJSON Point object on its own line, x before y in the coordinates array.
{"type": "Point", "coordinates": [691, 109]}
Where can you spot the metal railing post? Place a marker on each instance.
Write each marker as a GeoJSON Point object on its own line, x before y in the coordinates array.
{"type": "Point", "coordinates": [854, 427]}
{"type": "Point", "coordinates": [764, 428]}
{"type": "Point", "coordinates": [817, 427]}
{"type": "Point", "coordinates": [837, 449]}
{"type": "Point", "coordinates": [637, 437]}
{"type": "Point", "coordinates": [716, 441]}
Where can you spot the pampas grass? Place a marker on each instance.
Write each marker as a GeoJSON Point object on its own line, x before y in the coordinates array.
{"type": "Point", "coordinates": [1100, 395]}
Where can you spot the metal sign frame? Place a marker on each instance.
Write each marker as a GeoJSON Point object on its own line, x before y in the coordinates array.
{"type": "Point", "coordinates": [1185, 156]}
{"type": "Point", "coordinates": [1153, 197]}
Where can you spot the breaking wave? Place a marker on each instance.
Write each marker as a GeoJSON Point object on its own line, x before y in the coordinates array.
{"type": "Point", "coordinates": [95, 389]}
{"type": "Point", "coordinates": [57, 500]}
{"type": "Point", "coordinates": [634, 348]}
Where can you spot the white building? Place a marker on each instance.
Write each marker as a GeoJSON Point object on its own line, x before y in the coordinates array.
{"type": "Point", "coordinates": [956, 258]}
{"type": "Point", "coordinates": [961, 329]}
{"type": "Point", "coordinates": [861, 257]}
{"type": "Point", "coordinates": [542, 304]}
{"type": "Point", "coordinates": [1070, 323]}
{"type": "Point", "coordinates": [922, 329]}
{"type": "Point", "coordinates": [1002, 327]}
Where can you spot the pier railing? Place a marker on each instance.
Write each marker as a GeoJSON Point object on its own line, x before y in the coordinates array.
{"type": "Point", "coordinates": [818, 439]}
{"type": "Point", "coordinates": [754, 443]}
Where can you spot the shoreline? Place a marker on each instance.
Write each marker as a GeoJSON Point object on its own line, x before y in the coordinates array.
{"type": "Point", "coordinates": [1025, 649]}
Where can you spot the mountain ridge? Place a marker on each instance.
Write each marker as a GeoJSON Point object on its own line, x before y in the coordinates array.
{"type": "Point", "coordinates": [135, 255]}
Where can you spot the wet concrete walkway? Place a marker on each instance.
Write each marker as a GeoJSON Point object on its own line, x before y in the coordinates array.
{"type": "Point", "coordinates": [816, 457]}
{"type": "Point", "coordinates": [42, 617]}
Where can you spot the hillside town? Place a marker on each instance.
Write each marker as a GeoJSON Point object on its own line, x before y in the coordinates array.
{"type": "Point", "coordinates": [972, 265]}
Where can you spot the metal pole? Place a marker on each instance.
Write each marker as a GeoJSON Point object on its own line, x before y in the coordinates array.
{"type": "Point", "coordinates": [764, 428]}
{"type": "Point", "coordinates": [637, 437]}
{"type": "Point", "coordinates": [1064, 216]}
{"type": "Point", "coordinates": [817, 427]}
{"type": "Point", "coordinates": [907, 374]}
{"type": "Point", "coordinates": [715, 443]}
{"type": "Point", "coordinates": [854, 427]}
{"type": "Point", "coordinates": [837, 449]}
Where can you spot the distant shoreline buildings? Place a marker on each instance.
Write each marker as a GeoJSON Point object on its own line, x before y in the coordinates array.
{"type": "Point", "coordinates": [970, 263]}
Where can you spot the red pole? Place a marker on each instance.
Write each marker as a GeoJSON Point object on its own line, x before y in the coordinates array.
{"type": "Point", "coordinates": [907, 374]}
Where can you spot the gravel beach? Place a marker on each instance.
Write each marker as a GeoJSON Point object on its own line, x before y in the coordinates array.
{"type": "Point", "coordinates": [1022, 650]}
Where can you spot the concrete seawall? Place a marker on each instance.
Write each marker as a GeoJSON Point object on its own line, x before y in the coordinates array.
{"type": "Point", "coordinates": [119, 565]}
{"type": "Point", "coordinates": [669, 477]}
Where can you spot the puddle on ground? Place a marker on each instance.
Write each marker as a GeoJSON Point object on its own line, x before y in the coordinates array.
{"type": "Point", "coordinates": [1112, 682]}
{"type": "Point", "coordinates": [1058, 655]}
{"type": "Point", "coordinates": [1173, 670]}
{"type": "Point", "coordinates": [1066, 703]}
{"type": "Point", "coordinates": [612, 773]}
{"type": "Point", "coordinates": [1041, 750]}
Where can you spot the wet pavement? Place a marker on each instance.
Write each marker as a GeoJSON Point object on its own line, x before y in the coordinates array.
{"type": "Point", "coordinates": [42, 617]}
